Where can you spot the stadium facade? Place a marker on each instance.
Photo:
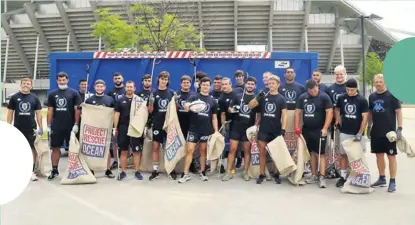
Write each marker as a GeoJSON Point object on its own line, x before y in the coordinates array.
{"type": "Point", "coordinates": [227, 25]}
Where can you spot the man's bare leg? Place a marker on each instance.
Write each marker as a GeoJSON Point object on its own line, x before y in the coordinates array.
{"type": "Point", "coordinates": [247, 159]}
{"type": "Point", "coordinates": [233, 147]}
{"type": "Point", "coordinates": [123, 162]}
{"type": "Point", "coordinates": [156, 148]}
{"type": "Point", "coordinates": [34, 155]}
{"type": "Point", "coordinates": [190, 148]}
{"type": "Point", "coordinates": [55, 157]}
{"type": "Point", "coordinates": [262, 161]}
{"type": "Point", "coordinates": [137, 163]}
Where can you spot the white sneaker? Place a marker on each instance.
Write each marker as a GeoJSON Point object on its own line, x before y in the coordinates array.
{"type": "Point", "coordinates": [203, 176]}
{"type": "Point", "coordinates": [311, 180]}
{"type": "Point", "coordinates": [322, 182]}
{"type": "Point", "coordinates": [34, 177]}
{"type": "Point", "coordinates": [185, 178]}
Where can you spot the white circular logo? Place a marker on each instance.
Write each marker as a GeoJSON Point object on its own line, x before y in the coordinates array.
{"type": "Point", "coordinates": [61, 102]}
{"type": "Point", "coordinates": [350, 109]}
{"type": "Point", "coordinates": [270, 107]}
{"type": "Point", "coordinates": [309, 108]}
{"type": "Point", "coordinates": [245, 109]}
{"type": "Point", "coordinates": [13, 183]}
{"type": "Point", "coordinates": [290, 95]}
{"type": "Point", "coordinates": [155, 132]}
{"type": "Point", "coordinates": [190, 137]}
{"type": "Point", "coordinates": [163, 103]}
{"type": "Point", "coordinates": [24, 106]}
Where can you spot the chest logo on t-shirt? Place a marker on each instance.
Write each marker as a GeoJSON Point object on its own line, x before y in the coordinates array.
{"type": "Point", "coordinates": [309, 109]}
{"type": "Point", "coordinates": [270, 109]}
{"type": "Point", "coordinates": [290, 95]}
{"type": "Point", "coordinates": [205, 111]}
{"type": "Point", "coordinates": [118, 96]}
{"type": "Point", "coordinates": [61, 104]}
{"type": "Point", "coordinates": [335, 97]}
{"type": "Point", "coordinates": [378, 106]}
{"type": "Point", "coordinates": [24, 108]}
{"type": "Point", "coordinates": [350, 110]}
{"type": "Point", "coordinates": [245, 111]}
{"type": "Point", "coordinates": [162, 103]}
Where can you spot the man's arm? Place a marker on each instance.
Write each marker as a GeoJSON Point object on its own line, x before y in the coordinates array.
{"type": "Point", "coordinates": [257, 119]}
{"type": "Point", "coordinates": [329, 118]}
{"type": "Point", "coordinates": [116, 119]}
{"type": "Point", "coordinates": [215, 122]}
{"type": "Point", "coordinates": [39, 119]}
{"type": "Point", "coordinates": [297, 117]}
{"type": "Point", "coordinates": [223, 117]}
{"type": "Point", "coordinates": [50, 116]}
{"type": "Point", "coordinates": [284, 119]}
{"type": "Point", "coordinates": [253, 103]}
{"type": "Point", "coordinates": [399, 116]}
{"type": "Point", "coordinates": [10, 114]}
{"type": "Point", "coordinates": [364, 123]}
{"type": "Point", "coordinates": [337, 115]}
{"type": "Point", "coordinates": [77, 115]}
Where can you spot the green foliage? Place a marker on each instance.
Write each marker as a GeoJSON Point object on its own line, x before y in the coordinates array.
{"type": "Point", "coordinates": [373, 66]}
{"type": "Point", "coordinates": [150, 31]}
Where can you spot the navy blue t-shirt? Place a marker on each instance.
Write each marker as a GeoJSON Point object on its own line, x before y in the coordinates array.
{"type": "Point", "coordinates": [103, 100]}
{"type": "Point", "coordinates": [123, 106]}
{"type": "Point", "coordinates": [245, 118]}
{"type": "Point", "coordinates": [383, 108]}
{"type": "Point", "coordinates": [162, 99]}
{"type": "Point", "coordinates": [335, 90]}
{"type": "Point", "coordinates": [181, 102]}
{"type": "Point", "coordinates": [323, 88]}
{"type": "Point", "coordinates": [117, 93]}
{"type": "Point", "coordinates": [202, 122]}
{"type": "Point", "coordinates": [24, 107]}
{"type": "Point", "coordinates": [271, 109]}
{"type": "Point", "coordinates": [314, 109]}
{"type": "Point", "coordinates": [144, 94]}
{"type": "Point", "coordinates": [351, 109]}
{"type": "Point", "coordinates": [224, 101]}
{"type": "Point", "coordinates": [63, 103]}
{"type": "Point", "coordinates": [291, 92]}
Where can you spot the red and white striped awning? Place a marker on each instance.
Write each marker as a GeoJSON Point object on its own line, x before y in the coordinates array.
{"type": "Point", "coordinates": [182, 55]}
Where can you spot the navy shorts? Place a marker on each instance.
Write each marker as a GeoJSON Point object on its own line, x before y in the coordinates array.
{"type": "Point", "coordinates": [159, 135]}
{"type": "Point", "coordinates": [59, 137]}
{"type": "Point", "coordinates": [196, 137]}
{"type": "Point", "coordinates": [125, 142]}
{"type": "Point", "coordinates": [312, 139]}
{"type": "Point", "coordinates": [238, 135]}
{"type": "Point", "coordinates": [30, 137]}
{"type": "Point", "coordinates": [267, 137]}
{"type": "Point", "coordinates": [382, 145]}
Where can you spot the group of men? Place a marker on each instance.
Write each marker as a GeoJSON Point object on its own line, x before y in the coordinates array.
{"type": "Point", "coordinates": [318, 110]}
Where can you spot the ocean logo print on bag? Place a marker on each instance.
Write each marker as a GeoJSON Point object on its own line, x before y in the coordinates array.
{"type": "Point", "coordinates": [173, 142]}
{"type": "Point", "coordinates": [362, 179]}
{"type": "Point", "coordinates": [94, 141]}
{"type": "Point", "coordinates": [75, 168]}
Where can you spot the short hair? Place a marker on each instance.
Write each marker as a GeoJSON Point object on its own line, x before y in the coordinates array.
{"type": "Point", "coordinates": [186, 77]}
{"type": "Point", "coordinates": [378, 76]}
{"type": "Point", "coordinates": [289, 68]}
{"type": "Point", "coordinates": [218, 77]}
{"type": "Point", "coordinates": [340, 68]}
{"type": "Point", "coordinates": [164, 74]}
{"type": "Point", "coordinates": [82, 80]}
{"type": "Point", "coordinates": [130, 82]}
{"type": "Point", "coordinates": [145, 77]}
{"type": "Point", "coordinates": [99, 81]}
{"type": "Point", "coordinates": [275, 77]}
{"type": "Point", "coordinates": [317, 70]}
{"type": "Point", "coordinates": [26, 79]}
{"type": "Point", "coordinates": [62, 74]}
{"type": "Point", "coordinates": [267, 73]}
{"type": "Point", "coordinates": [116, 74]}
{"type": "Point", "coordinates": [239, 73]}
{"type": "Point", "coordinates": [251, 79]}
{"type": "Point", "coordinates": [200, 75]}
{"type": "Point", "coordinates": [205, 79]}
{"type": "Point", "coordinates": [228, 79]}
{"type": "Point", "coordinates": [310, 84]}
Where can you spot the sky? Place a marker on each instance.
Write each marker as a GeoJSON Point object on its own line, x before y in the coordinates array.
{"type": "Point", "coordinates": [396, 14]}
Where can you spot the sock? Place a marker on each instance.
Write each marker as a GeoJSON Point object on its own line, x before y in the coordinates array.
{"type": "Point", "coordinates": [33, 170]}
{"type": "Point", "coordinates": [392, 180]}
{"type": "Point", "coordinates": [54, 168]}
{"type": "Point", "coordinates": [343, 173]}
{"type": "Point", "coordinates": [156, 166]}
{"type": "Point", "coordinates": [382, 178]}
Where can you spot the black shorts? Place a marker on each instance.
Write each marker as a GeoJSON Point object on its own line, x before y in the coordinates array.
{"type": "Point", "coordinates": [238, 135]}
{"type": "Point", "coordinates": [30, 137]}
{"type": "Point", "coordinates": [312, 139]}
{"type": "Point", "coordinates": [267, 137]}
{"type": "Point", "coordinates": [159, 135]}
{"type": "Point", "coordinates": [126, 142]}
{"type": "Point", "coordinates": [59, 137]}
{"type": "Point", "coordinates": [382, 145]}
{"type": "Point", "coordinates": [196, 137]}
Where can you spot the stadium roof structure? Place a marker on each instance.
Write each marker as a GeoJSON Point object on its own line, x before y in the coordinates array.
{"type": "Point", "coordinates": [277, 25]}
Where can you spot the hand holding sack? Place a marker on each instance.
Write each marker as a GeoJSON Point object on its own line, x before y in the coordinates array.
{"type": "Point", "coordinates": [44, 165]}
{"type": "Point", "coordinates": [78, 171]}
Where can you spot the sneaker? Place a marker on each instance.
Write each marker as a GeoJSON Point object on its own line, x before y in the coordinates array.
{"type": "Point", "coordinates": [114, 165]}
{"type": "Point", "coordinates": [154, 175]}
{"type": "Point", "coordinates": [379, 183]}
{"type": "Point", "coordinates": [173, 175]}
{"type": "Point", "coordinates": [222, 169]}
{"type": "Point", "coordinates": [227, 176]}
{"type": "Point", "coordinates": [340, 182]}
{"type": "Point", "coordinates": [322, 182]}
{"type": "Point", "coordinates": [122, 176]}
{"type": "Point", "coordinates": [261, 179]}
{"type": "Point", "coordinates": [277, 178]}
{"type": "Point", "coordinates": [203, 176]}
{"type": "Point", "coordinates": [245, 175]}
{"type": "Point", "coordinates": [311, 180]}
{"type": "Point", "coordinates": [392, 187]}
{"type": "Point", "coordinates": [207, 168]}
{"type": "Point", "coordinates": [138, 175]}
{"type": "Point", "coordinates": [109, 174]}
{"type": "Point", "coordinates": [93, 173]}
{"type": "Point", "coordinates": [238, 163]}
{"type": "Point", "coordinates": [34, 177]}
{"type": "Point", "coordinates": [54, 174]}
{"type": "Point", "coordinates": [184, 178]}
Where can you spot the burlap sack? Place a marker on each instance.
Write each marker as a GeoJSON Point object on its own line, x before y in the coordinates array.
{"type": "Point", "coordinates": [359, 179]}
{"type": "Point", "coordinates": [300, 157]}
{"type": "Point", "coordinates": [138, 117]}
{"type": "Point", "coordinates": [281, 156]}
{"type": "Point", "coordinates": [78, 171]}
{"type": "Point", "coordinates": [402, 144]}
{"type": "Point", "coordinates": [95, 136]}
{"type": "Point", "coordinates": [175, 145]}
{"type": "Point", "coordinates": [215, 146]}
{"type": "Point", "coordinates": [44, 165]}
{"type": "Point", "coordinates": [254, 169]}
{"type": "Point", "coordinates": [290, 137]}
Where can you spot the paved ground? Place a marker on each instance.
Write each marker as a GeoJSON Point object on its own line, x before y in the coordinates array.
{"type": "Point", "coordinates": [236, 202]}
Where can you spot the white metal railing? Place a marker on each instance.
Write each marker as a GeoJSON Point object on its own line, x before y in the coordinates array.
{"type": "Point", "coordinates": [36, 57]}
{"type": "Point", "coordinates": [341, 47]}
{"type": "Point", "coordinates": [6, 57]}
{"type": "Point", "coordinates": [99, 43]}
{"type": "Point", "coordinates": [68, 41]}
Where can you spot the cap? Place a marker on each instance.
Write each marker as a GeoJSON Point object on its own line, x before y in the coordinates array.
{"type": "Point", "coordinates": [351, 83]}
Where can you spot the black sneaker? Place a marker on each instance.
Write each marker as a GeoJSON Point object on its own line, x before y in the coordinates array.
{"type": "Point", "coordinates": [277, 178]}
{"type": "Point", "coordinates": [238, 163]}
{"type": "Point", "coordinates": [340, 182]}
{"type": "Point", "coordinates": [109, 174]}
{"type": "Point", "coordinates": [114, 165]}
{"type": "Point", "coordinates": [53, 175]}
{"type": "Point", "coordinates": [222, 169]}
{"type": "Point", "coordinates": [122, 176]}
{"type": "Point", "coordinates": [154, 175]}
{"type": "Point", "coordinates": [261, 179]}
{"type": "Point", "coordinates": [173, 175]}
{"type": "Point", "coordinates": [93, 173]}
{"type": "Point", "coordinates": [207, 168]}
{"type": "Point", "coordinates": [138, 175]}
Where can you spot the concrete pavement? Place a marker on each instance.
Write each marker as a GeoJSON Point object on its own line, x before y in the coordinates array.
{"type": "Point", "coordinates": [164, 201]}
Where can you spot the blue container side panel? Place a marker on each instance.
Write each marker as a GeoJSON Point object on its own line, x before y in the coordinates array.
{"type": "Point", "coordinates": [133, 69]}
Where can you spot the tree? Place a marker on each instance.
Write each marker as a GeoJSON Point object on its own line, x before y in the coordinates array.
{"type": "Point", "coordinates": [154, 27]}
{"type": "Point", "coordinates": [373, 66]}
